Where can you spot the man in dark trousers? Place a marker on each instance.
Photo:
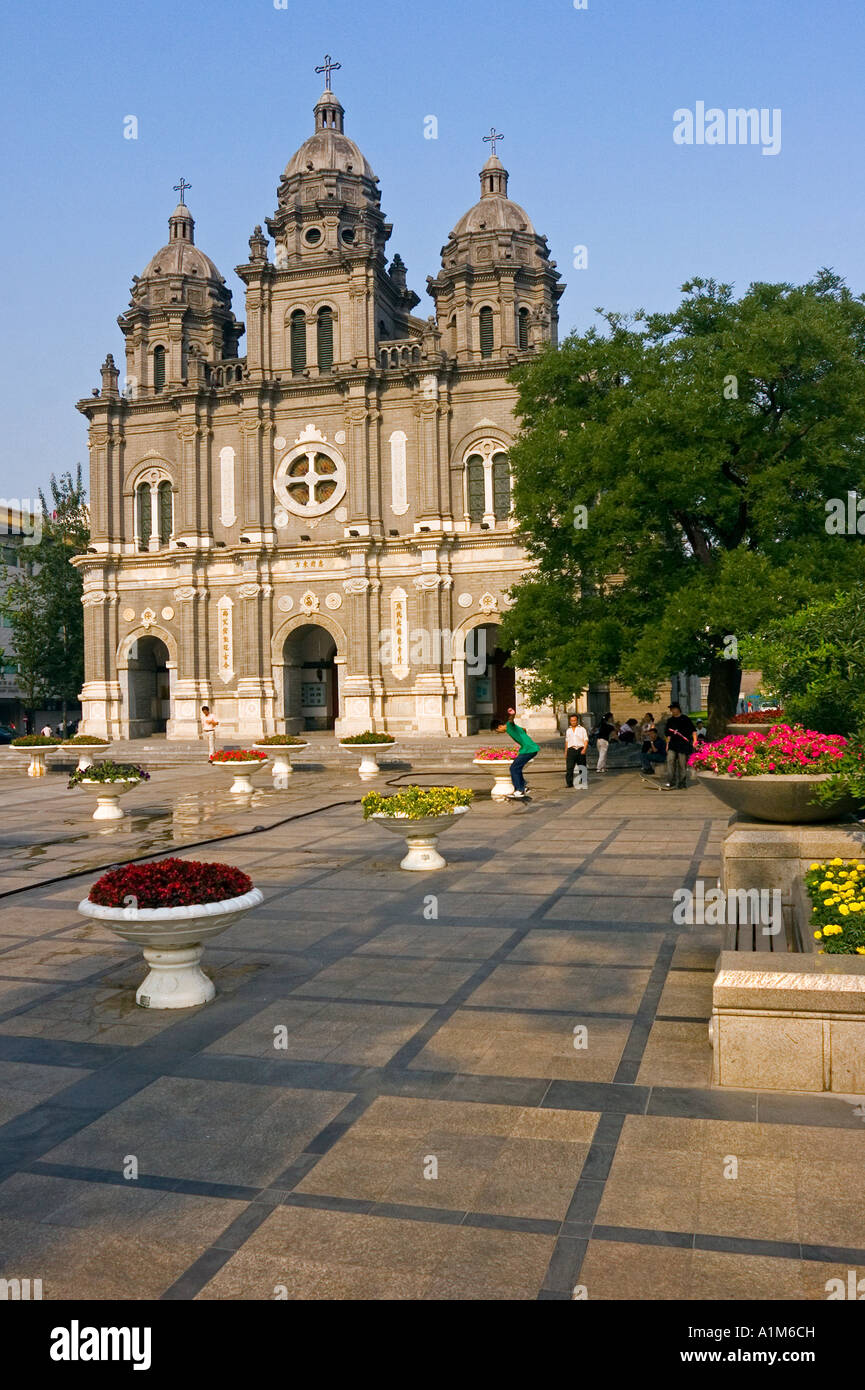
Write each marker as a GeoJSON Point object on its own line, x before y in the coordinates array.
{"type": "Point", "coordinates": [528, 749]}
{"type": "Point", "coordinates": [681, 742]}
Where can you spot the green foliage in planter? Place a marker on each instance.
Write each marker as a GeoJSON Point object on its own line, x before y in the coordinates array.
{"type": "Point", "coordinates": [416, 802]}
{"type": "Point", "coordinates": [87, 741]}
{"type": "Point", "coordinates": [35, 741]}
{"type": "Point", "coordinates": [837, 892]}
{"type": "Point", "coordinates": [814, 660]}
{"type": "Point", "coordinates": [109, 771]}
{"type": "Point", "coordinates": [369, 737]}
{"type": "Point", "coordinates": [280, 740]}
{"type": "Point", "coordinates": [850, 777]}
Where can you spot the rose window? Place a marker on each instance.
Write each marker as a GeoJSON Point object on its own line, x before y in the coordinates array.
{"type": "Point", "coordinates": [309, 481]}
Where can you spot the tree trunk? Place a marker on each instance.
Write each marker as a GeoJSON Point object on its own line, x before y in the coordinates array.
{"type": "Point", "coordinates": [725, 678]}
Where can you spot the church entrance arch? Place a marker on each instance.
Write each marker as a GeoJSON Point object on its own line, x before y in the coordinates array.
{"type": "Point", "coordinates": [485, 685]}
{"type": "Point", "coordinates": [310, 679]}
{"type": "Point", "coordinates": [148, 687]}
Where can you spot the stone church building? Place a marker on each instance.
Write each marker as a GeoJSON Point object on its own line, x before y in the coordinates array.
{"type": "Point", "coordinates": [316, 534]}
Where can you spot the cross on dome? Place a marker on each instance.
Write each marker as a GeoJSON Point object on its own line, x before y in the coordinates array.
{"type": "Point", "coordinates": [181, 189]}
{"type": "Point", "coordinates": [492, 138]}
{"type": "Point", "coordinates": [327, 67]}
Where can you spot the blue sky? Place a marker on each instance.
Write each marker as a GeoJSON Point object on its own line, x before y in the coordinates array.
{"type": "Point", "coordinates": [223, 91]}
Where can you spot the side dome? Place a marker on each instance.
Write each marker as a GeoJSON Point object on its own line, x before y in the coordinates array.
{"type": "Point", "coordinates": [495, 212]}
{"type": "Point", "coordinates": [180, 255]}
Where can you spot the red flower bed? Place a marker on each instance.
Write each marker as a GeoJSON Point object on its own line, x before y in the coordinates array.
{"type": "Point", "coordinates": [237, 755]}
{"type": "Point", "coordinates": [757, 716]}
{"type": "Point", "coordinates": [169, 883]}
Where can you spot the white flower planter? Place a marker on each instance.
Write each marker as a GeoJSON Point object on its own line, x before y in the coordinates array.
{"type": "Point", "coordinates": [368, 761]}
{"type": "Point", "coordinates": [85, 752]}
{"type": "Point", "coordinates": [281, 754]}
{"type": "Point", "coordinates": [421, 835]}
{"type": "Point", "coordinates": [171, 939]}
{"type": "Point", "coordinates": [501, 770]}
{"type": "Point", "coordinates": [37, 755]}
{"type": "Point", "coordinates": [242, 773]}
{"type": "Point", "coordinates": [108, 795]}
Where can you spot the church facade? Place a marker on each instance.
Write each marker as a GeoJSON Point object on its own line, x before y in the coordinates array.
{"type": "Point", "coordinates": [316, 534]}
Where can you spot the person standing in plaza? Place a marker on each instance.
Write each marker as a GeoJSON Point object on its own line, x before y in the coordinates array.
{"type": "Point", "coordinates": [681, 742]}
{"type": "Point", "coordinates": [209, 724]}
{"type": "Point", "coordinates": [576, 747]}
{"type": "Point", "coordinates": [606, 731]}
{"type": "Point", "coordinates": [528, 749]}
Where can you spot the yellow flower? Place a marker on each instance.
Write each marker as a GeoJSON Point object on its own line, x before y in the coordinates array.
{"type": "Point", "coordinates": [843, 910]}
{"type": "Point", "coordinates": [813, 866]}
{"type": "Point", "coordinates": [826, 885]}
{"type": "Point", "coordinates": [860, 950]}
{"type": "Point", "coordinates": [836, 861]}
{"type": "Point", "coordinates": [817, 935]}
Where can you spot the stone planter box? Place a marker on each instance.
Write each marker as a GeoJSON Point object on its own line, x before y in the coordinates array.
{"type": "Point", "coordinates": [369, 767]}
{"type": "Point", "coordinates": [421, 835]}
{"type": "Point", "coordinates": [171, 939]}
{"type": "Point", "coordinates": [759, 854]}
{"type": "Point", "coordinates": [789, 1022]}
{"type": "Point", "coordinates": [281, 754]}
{"type": "Point", "coordinates": [784, 799]}
{"type": "Point", "coordinates": [501, 771]}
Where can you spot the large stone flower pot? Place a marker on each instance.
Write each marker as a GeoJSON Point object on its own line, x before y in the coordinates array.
{"type": "Point", "coordinates": [501, 770]}
{"type": "Point", "coordinates": [171, 939]}
{"type": "Point", "coordinates": [421, 835]}
{"type": "Point", "coordinates": [85, 752]}
{"type": "Point", "coordinates": [783, 797]}
{"type": "Point", "coordinates": [37, 753]}
{"type": "Point", "coordinates": [281, 754]}
{"type": "Point", "coordinates": [242, 773]}
{"type": "Point", "coordinates": [368, 761]}
{"type": "Point", "coordinates": [108, 795]}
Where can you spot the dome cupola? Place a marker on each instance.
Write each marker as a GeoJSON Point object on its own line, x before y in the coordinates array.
{"type": "Point", "coordinates": [497, 292]}
{"type": "Point", "coordinates": [179, 317]}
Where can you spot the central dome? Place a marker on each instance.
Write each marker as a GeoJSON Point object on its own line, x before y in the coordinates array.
{"type": "Point", "coordinates": [329, 149]}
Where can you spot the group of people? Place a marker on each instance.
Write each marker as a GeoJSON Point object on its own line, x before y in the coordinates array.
{"type": "Point", "coordinates": [672, 744]}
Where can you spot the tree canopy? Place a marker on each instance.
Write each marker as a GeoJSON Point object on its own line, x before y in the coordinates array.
{"type": "Point", "coordinates": [43, 607]}
{"type": "Point", "coordinates": [671, 484]}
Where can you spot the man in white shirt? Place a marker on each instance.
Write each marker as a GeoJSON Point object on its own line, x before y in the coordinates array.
{"type": "Point", "coordinates": [209, 724]}
{"type": "Point", "coordinates": [576, 745]}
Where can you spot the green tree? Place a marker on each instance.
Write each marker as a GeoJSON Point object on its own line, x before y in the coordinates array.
{"type": "Point", "coordinates": [43, 607]}
{"type": "Point", "coordinates": [813, 659]}
{"type": "Point", "coordinates": [671, 483]}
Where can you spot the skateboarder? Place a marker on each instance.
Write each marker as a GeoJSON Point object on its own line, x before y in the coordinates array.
{"type": "Point", "coordinates": [528, 750]}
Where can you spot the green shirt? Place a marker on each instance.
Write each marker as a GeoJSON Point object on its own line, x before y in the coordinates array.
{"type": "Point", "coordinates": [527, 745]}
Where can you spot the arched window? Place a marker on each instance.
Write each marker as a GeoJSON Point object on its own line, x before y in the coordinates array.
{"type": "Point", "coordinates": [158, 368]}
{"type": "Point", "coordinates": [163, 494]}
{"type": "Point", "coordinates": [485, 323]}
{"type": "Point", "coordinates": [325, 340]}
{"type": "Point", "coordinates": [142, 497]}
{"type": "Point", "coordinates": [501, 487]}
{"type": "Point", "coordinates": [523, 329]}
{"type": "Point", "coordinates": [475, 476]}
{"type": "Point", "coordinates": [298, 340]}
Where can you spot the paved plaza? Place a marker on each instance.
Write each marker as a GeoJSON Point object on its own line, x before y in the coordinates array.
{"type": "Point", "coordinates": [391, 1095]}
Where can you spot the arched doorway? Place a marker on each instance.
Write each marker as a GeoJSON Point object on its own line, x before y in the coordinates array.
{"type": "Point", "coordinates": [148, 687]}
{"type": "Point", "coordinates": [490, 684]}
{"type": "Point", "coordinates": [310, 679]}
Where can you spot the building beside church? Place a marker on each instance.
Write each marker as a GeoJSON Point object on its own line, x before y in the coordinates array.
{"type": "Point", "coordinates": [316, 534]}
